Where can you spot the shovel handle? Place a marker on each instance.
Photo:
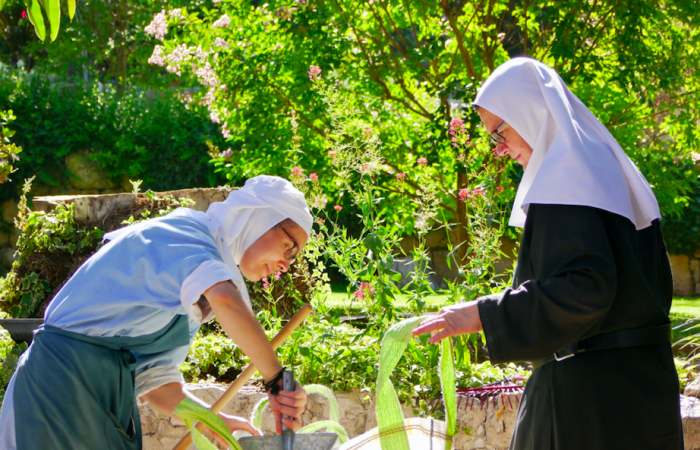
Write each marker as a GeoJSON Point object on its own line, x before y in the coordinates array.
{"type": "Point", "coordinates": [249, 371]}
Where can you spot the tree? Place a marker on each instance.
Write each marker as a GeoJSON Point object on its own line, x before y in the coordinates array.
{"type": "Point", "coordinates": [415, 65]}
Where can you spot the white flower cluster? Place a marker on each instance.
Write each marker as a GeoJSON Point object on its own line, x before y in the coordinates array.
{"type": "Point", "coordinates": [223, 22]}
{"type": "Point", "coordinates": [220, 43]}
{"type": "Point", "coordinates": [207, 76]}
{"type": "Point", "coordinates": [176, 13]}
{"type": "Point", "coordinates": [158, 26]}
{"type": "Point", "coordinates": [225, 132]}
{"type": "Point", "coordinates": [157, 56]}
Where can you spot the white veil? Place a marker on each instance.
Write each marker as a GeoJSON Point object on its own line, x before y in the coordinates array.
{"type": "Point", "coordinates": [575, 159]}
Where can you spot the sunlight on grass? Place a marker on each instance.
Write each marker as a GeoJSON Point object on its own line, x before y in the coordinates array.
{"type": "Point", "coordinates": [682, 307]}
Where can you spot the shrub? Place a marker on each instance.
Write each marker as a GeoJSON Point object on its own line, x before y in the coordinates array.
{"type": "Point", "coordinates": [137, 134]}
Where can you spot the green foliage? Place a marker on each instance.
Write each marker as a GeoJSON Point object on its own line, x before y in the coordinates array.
{"type": "Point", "coordinates": [48, 234]}
{"type": "Point", "coordinates": [412, 66]}
{"type": "Point", "coordinates": [682, 231]}
{"type": "Point", "coordinates": [138, 134]}
{"type": "Point", "coordinates": [8, 151]}
{"type": "Point", "coordinates": [9, 356]}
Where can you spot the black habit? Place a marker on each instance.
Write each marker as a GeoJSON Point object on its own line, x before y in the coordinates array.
{"type": "Point", "coordinates": [582, 271]}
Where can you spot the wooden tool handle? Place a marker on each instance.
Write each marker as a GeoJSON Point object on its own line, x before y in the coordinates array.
{"type": "Point", "coordinates": [249, 371]}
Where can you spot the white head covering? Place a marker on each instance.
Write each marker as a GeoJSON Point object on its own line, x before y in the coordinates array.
{"type": "Point", "coordinates": [251, 211]}
{"type": "Point", "coordinates": [575, 159]}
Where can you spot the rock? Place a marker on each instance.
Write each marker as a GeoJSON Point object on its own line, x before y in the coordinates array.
{"type": "Point", "coordinates": [690, 414]}
{"type": "Point", "coordinates": [7, 257]}
{"type": "Point", "coordinates": [693, 389]}
{"type": "Point", "coordinates": [406, 266]}
{"type": "Point", "coordinates": [9, 211]}
{"type": "Point", "coordinates": [444, 272]}
{"type": "Point", "coordinates": [682, 279]}
{"type": "Point", "coordinates": [695, 270]}
{"type": "Point", "coordinates": [87, 173]}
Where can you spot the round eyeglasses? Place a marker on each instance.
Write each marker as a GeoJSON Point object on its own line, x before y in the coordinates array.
{"type": "Point", "coordinates": [496, 137]}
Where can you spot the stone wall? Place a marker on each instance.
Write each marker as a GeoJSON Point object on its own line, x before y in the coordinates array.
{"type": "Point", "coordinates": [93, 208]}
{"type": "Point", "coordinates": [479, 427]}
{"type": "Point", "coordinates": [486, 428]}
{"type": "Point", "coordinates": [686, 274]}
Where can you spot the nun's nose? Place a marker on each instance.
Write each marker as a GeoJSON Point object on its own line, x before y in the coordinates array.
{"type": "Point", "coordinates": [501, 149]}
{"type": "Point", "coordinates": [283, 266]}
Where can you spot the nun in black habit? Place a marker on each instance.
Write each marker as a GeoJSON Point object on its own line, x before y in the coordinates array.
{"type": "Point", "coordinates": [592, 289]}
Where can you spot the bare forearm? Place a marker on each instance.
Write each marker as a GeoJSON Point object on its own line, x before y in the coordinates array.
{"type": "Point", "coordinates": [166, 398]}
{"type": "Point", "coordinates": [241, 325]}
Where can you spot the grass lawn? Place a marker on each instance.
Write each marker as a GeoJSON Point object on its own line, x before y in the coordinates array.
{"type": "Point", "coordinates": [682, 307]}
{"type": "Point", "coordinates": [685, 311]}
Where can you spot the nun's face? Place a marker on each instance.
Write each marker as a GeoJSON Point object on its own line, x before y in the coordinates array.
{"type": "Point", "coordinates": [273, 252]}
{"type": "Point", "coordinates": [514, 145]}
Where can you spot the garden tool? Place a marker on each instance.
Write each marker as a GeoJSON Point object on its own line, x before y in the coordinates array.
{"type": "Point", "coordinates": [249, 371]}
{"type": "Point", "coordinates": [288, 440]}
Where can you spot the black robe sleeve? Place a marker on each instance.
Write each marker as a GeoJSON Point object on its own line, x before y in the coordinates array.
{"type": "Point", "coordinates": [572, 284]}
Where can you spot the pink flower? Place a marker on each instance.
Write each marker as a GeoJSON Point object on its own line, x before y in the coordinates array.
{"type": "Point", "coordinates": [266, 285]}
{"type": "Point", "coordinates": [278, 275]}
{"type": "Point", "coordinates": [478, 192]}
{"type": "Point", "coordinates": [332, 153]}
{"type": "Point", "coordinates": [314, 73]}
{"type": "Point", "coordinates": [24, 14]}
{"type": "Point", "coordinates": [368, 131]}
{"type": "Point", "coordinates": [365, 290]}
{"type": "Point", "coordinates": [456, 126]}
{"type": "Point", "coordinates": [423, 161]}
{"type": "Point", "coordinates": [463, 193]}
{"type": "Point", "coordinates": [320, 220]}
{"type": "Point", "coordinates": [227, 153]}
{"type": "Point", "coordinates": [338, 208]}
{"type": "Point", "coordinates": [297, 174]}
{"type": "Point", "coordinates": [365, 167]}
{"type": "Point", "coordinates": [462, 156]}
{"type": "Point", "coordinates": [500, 188]}
{"type": "Point", "coordinates": [319, 235]}
{"type": "Point", "coordinates": [313, 177]}
{"type": "Point", "coordinates": [294, 113]}
{"type": "Point", "coordinates": [401, 177]}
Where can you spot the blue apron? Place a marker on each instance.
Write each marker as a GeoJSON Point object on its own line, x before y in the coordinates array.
{"type": "Point", "coordinates": [77, 392]}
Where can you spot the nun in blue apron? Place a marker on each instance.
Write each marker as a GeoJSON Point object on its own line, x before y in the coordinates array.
{"type": "Point", "coordinates": [119, 328]}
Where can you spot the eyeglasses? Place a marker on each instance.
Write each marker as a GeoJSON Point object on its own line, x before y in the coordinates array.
{"type": "Point", "coordinates": [498, 138]}
{"type": "Point", "coordinates": [290, 254]}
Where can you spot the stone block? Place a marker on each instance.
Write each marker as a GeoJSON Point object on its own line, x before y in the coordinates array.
{"type": "Point", "coordinates": [682, 279]}
{"type": "Point", "coordinates": [7, 257]}
{"type": "Point", "coordinates": [690, 414]}
{"type": "Point", "coordinates": [693, 388]}
{"type": "Point", "coordinates": [406, 266]}
{"type": "Point", "coordinates": [9, 211]}
{"type": "Point", "coordinates": [87, 173]}
{"type": "Point", "coordinates": [442, 271]}
{"type": "Point", "coordinates": [695, 270]}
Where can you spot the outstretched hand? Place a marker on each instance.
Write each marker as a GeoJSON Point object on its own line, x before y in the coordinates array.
{"type": "Point", "coordinates": [292, 404]}
{"type": "Point", "coordinates": [452, 320]}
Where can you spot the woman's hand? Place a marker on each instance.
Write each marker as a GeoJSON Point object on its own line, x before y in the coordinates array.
{"type": "Point", "coordinates": [452, 320]}
{"type": "Point", "coordinates": [234, 424]}
{"type": "Point", "coordinates": [292, 404]}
